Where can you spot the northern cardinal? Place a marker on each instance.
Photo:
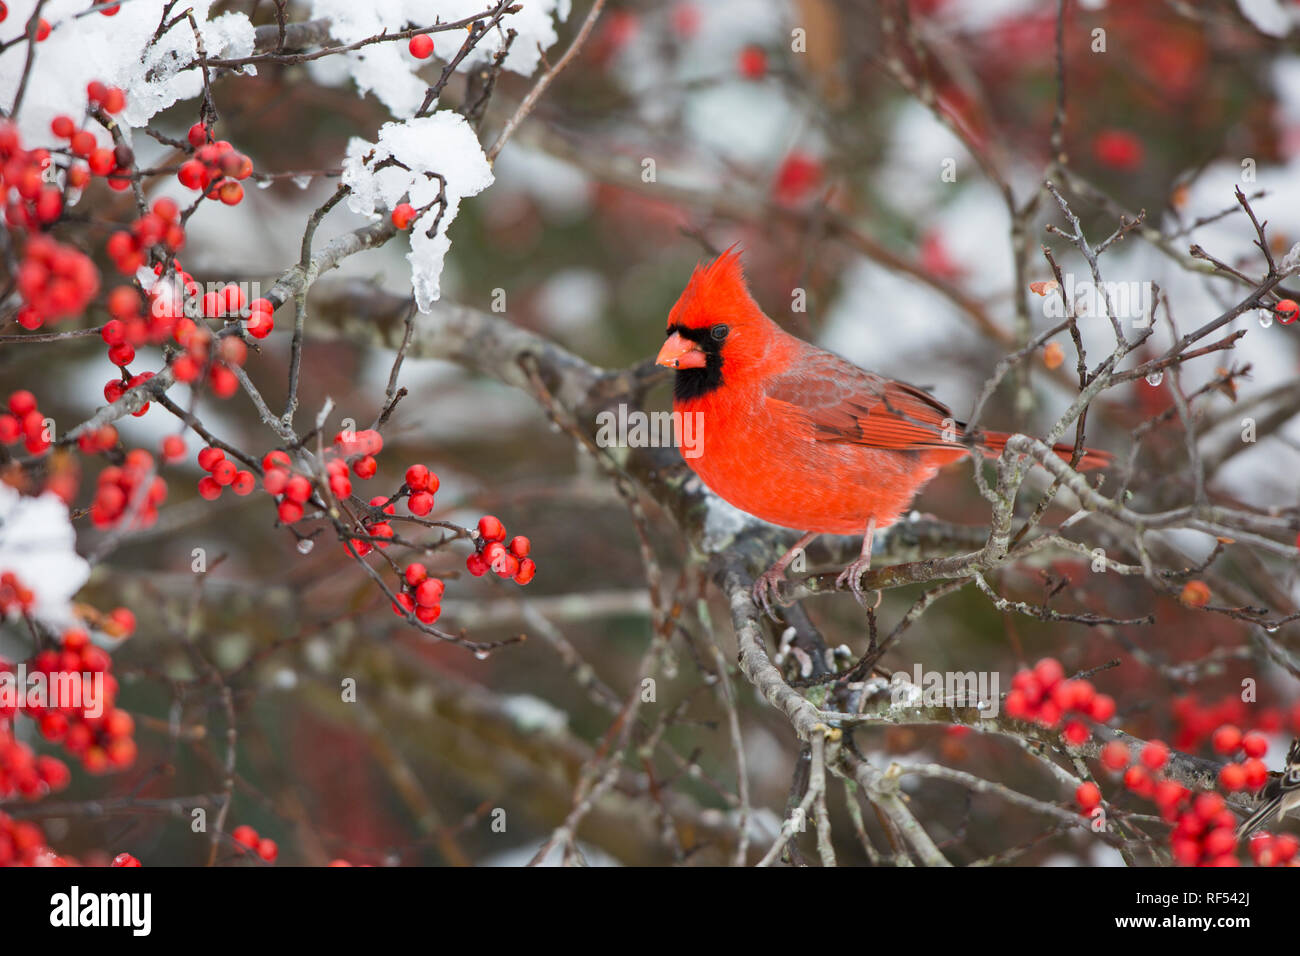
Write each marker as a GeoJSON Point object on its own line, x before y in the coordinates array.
{"type": "Point", "coordinates": [798, 436]}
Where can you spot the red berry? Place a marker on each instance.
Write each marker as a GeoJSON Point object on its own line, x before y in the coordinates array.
{"type": "Point", "coordinates": [198, 135]}
{"type": "Point", "coordinates": [420, 503]}
{"type": "Point", "coordinates": [476, 565]}
{"type": "Point", "coordinates": [1227, 740]}
{"type": "Point", "coordinates": [526, 572]}
{"type": "Point", "coordinates": [209, 456]}
{"type": "Point", "coordinates": [365, 467]}
{"type": "Point", "coordinates": [1287, 310]}
{"type": "Point", "coordinates": [415, 573]}
{"type": "Point", "coordinates": [125, 859]}
{"type": "Point", "coordinates": [297, 489]}
{"type": "Point", "coordinates": [1049, 672]}
{"type": "Point", "coordinates": [244, 482]}
{"type": "Point", "coordinates": [1155, 755]}
{"type": "Point", "coordinates": [208, 488]}
{"type": "Point", "coordinates": [752, 63]}
{"type": "Point", "coordinates": [1254, 744]}
{"type": "Point", "coordinates": [267, 849]}
{"type": "Point", "coordinates": [1076, 732]}
{"type": "Point", "coordinates": [416, 477]}
{"type": "Point", "coordinates": [429, 592]}
{"type": "Point", "coordinates": [1232, 777]}
{"type": "Point", "coordinates": [421, 46]}
{"type": "Point", "coordinates": [1103, 708]}
{"type": "Point", "coordinates": [274, 480]}
{"type": "Point", "coordinates": [1115, 755]}
{"type": "Point", "coordinates": [173, 448]}
{"type": "Point", "coordinates": [275, 459]}
{"type": "Point", "coordinates": [192, 174]}
{"type": "Point", "coordinates": [289, 511]}
{"type": "Point", "coordinates": [245, 836]}
{"type": "Point", "coordinates": [62, 126]}
{"type": "Point", "coordinates": [122, 354]}
{"type": "Point", "coordinates": [402, 215]}
{"type": "Point", "coordinates": [520, 546]}
{"type": "Point", "coordinates": [1256, 773]}
{"type": "Point", "coordinates": [1088, 796]}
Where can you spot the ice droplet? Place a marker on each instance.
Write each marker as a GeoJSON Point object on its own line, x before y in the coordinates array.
{"type": "Point", "coordinates": [305, 546]}
{"type": "Point", "coordinates": [481, 655]}
{"type": "Point", "coordinates": [1265, 318]}
{"type": "Point", "coordinates": [1155, 378]}
{"type": "Point", "coordinates": [264, 183]}
{"type": "Point", "coordinates": [302, 182]}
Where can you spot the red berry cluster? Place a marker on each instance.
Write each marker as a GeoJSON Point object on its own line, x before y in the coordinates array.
{"type": "Point", "coordinates": [249, 839]}
{"type": "Point", "coordinates": [14, 596]}
{"type": "Point", "coordinates": [1251, 773]}
{"type": "Point", "coordinates": [421, 485]}
{"type": "Point", "coordinates": [293, 490]}
{"type": "Point", "coordinates": [115, 388]}
{"type": "Point", "coordinates": [1269, 850]}
{"type": "Point", "coordinates": [24, 774]}
{"type": "Point", "coordinates": [1197, 722]}
{"type": "Point", "coordinates": [56, 281]}
{"type": "Point", "coordinates": [158, 230]}
{"type": "Point", "coordinates": [221, 471]}
{"type": "Point", "coordinates": [22, 843]}
{"type": "Point", "coordinates": [98, 440]}
{"type": "Point", "coordinates": [32, 202]}
{"type": "Point", "coordinates": [216, 169]}
{"type": "Point", "coordinates": [1043, 695]}
{"type": "Point", "coordinates": [421, 595]}
{"type": "Point", "coordinates": [24, 420]}
{"type": "Point", "coordinates": [1205, 833]}
{"type": "Point", "coordinates": [120, 491]}
{"type": "Point", "coordinates": [373, 528]}
{"type": "Point", "coordinates": [508, 561]}
{"type": "Point", "coordinates": [103, 741]}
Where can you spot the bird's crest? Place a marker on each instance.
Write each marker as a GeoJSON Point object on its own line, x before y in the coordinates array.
{"type": "Point", "coordinates": [715, 293]}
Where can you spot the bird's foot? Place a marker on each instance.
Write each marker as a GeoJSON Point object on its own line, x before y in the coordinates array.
{"type": "Point", "coordinates": [767, 589]}
{"type": "Point", "coordinates": [852, 578]}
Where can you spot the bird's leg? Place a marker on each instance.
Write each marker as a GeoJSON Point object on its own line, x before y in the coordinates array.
{"type": "Point", "coordinates": [852, 575]}
{"type": "Point", "coordinates": [769, 582]}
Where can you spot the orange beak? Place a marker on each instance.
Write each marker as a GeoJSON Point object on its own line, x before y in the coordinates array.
{"type": "Point", "coordinates": [681, 352]}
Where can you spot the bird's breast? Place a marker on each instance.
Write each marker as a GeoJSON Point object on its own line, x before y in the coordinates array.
{"type": "Point", "coordinates": [762, 457]}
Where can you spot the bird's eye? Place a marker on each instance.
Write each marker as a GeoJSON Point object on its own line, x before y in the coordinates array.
{"type": "Point", "coordinates": [719, 332]}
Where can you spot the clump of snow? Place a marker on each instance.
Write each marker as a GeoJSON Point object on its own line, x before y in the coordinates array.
{"type": "Point", "coordinates": [119, 51]}
{"type": "Point", "coordinates": [38, 544]}
{"type": "Point", "coordinates": [443, 144]}
{"type": "Point", "coordinates": [389, 71]}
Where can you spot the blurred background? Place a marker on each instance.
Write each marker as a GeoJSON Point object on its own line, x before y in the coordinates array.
{"type": "Point", "coordinates": [681, 128]}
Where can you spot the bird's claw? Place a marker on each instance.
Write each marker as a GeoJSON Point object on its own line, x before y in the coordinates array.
{"type": "Point", "coordinates": [852, 578]}
{"type": "Point", "coordinates": [768, 588]}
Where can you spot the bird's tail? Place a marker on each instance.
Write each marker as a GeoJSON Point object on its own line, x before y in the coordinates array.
{"type": "Point", "coordinates": [1262, 815]}
{"type": "Point", "coordinates": [994, 442]}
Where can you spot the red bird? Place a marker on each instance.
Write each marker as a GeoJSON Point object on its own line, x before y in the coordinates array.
{"type": "Point", "coordinates": [800, 437]}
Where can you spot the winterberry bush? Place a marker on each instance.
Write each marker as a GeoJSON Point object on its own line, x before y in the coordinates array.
{"type": "Point", "coordinates": [309, 314]}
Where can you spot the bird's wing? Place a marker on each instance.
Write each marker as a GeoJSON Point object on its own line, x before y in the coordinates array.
{"type": "Point", "coordinates": [847, 404]}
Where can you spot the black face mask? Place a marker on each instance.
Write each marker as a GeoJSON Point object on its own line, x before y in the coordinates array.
{"type": "Point", "coordinates": [697, 382]}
